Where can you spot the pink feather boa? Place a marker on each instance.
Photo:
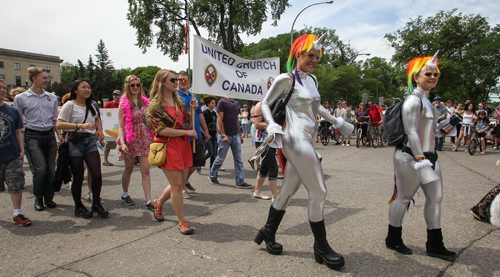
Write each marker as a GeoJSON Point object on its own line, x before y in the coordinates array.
{"type": "Point", "coordinates": [127, 117]}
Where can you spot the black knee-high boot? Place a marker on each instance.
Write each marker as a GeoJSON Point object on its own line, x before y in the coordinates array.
{"type": "Point", "coordinates": [435, 246]}
{"type": "Point", "coordinates": [394, 241]}
{"type": "Point", "coordinates": [268, 232]}
{"type": "Point", "coordinates": [323, 253]}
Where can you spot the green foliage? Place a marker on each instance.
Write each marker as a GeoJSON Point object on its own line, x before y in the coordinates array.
{"type": "Point", "coordinates": [164, 21]}
{"type": "Point", "coordinates": [146, 74]}
{"type": "Point", "coordinates": [469, 52]}
{"type": "Point", "coordinates": [339, 76]}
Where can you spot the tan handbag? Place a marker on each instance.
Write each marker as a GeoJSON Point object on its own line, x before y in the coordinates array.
{"type": "Point", "coordinates": [157, 153]}
{"type": "Point", "coordinates": [158, 150]}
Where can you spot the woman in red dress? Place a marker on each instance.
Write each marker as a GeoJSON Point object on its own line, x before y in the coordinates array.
{"type": "Point", "coordinates": [168, 117]}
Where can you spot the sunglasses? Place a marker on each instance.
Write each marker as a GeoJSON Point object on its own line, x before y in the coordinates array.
{"type": "Point", "coordinates": [183, 80]}
{"type": "Point", "coordinates": [135, 85]}
{"type": "Point", "coordinates": [429, 74]}
{"type": "Point", "coordinates": [312, 56]}
{"type": "Point", "coordinates": [174, 80]}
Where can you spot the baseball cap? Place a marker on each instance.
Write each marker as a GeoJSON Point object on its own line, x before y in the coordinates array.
{"type": "Point", "coordinates": [437, 98]}
{"type": "Point", "coordinates": [117, 92]}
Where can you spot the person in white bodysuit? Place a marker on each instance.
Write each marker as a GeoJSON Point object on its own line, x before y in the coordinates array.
{"type": "Point", "coordinates": [415, 163]}
{"type": "Point", "coordinates": [303, 165]}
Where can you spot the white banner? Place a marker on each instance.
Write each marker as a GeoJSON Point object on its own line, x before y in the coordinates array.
{"type": "Point", "coordinates": [109, 118]}
{"type": "Point", "coordinates": [218, 72]}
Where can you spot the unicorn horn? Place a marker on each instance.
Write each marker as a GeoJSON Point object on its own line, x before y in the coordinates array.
{"type": "Point", "coordinates": [432, 63]}
{"type": "Point", "coordinates": [318, 44]}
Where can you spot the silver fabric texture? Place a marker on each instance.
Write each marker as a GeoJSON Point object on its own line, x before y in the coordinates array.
{"type": "Point", "coordinates": [419, 119]}
{"type": "Point", "coordinates": [303, 165]}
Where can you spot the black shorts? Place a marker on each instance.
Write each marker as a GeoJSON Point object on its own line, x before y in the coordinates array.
{"type": "Point", "coordinates": [199, 156]}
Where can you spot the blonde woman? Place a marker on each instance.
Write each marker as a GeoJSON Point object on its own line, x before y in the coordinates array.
{"type": "Point", "coordinates": [134, 137]}
{"type": "Point", "coordinates": [168, 117]}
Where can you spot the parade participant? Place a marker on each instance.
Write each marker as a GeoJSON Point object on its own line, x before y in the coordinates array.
{"type": "Point", "coordinates": [11, 155]}
{"type": "Point", "coordinates": [200, 127]}
{"type": "Point", "coordinates": [268, 164]}
{"type": "Point", "coordinates": [80, 120]}
{"type": "Point", "coordinates": [303, 164]}
{"type": "Point", "coordinates": [134, 137]}
{"type": "Point", "coordinates": [415, 163]}
{"type": "Point", "coordinates": [169, 118]}
{"type": "Point", "coordinates": [39, 109]}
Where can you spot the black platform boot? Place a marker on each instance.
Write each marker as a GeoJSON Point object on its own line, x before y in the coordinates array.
{"type": "Point", "coordinates": [395, 242]}
{"type": "Point", "coordinates": [435, 246]}
{"type": "Point", "coordinates": [268, 232]}
{"type": "Point", "coordinates": [323, 253]}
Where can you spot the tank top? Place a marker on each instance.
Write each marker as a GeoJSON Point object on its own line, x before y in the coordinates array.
{"type": "Point", "coordinates": [467, 119]}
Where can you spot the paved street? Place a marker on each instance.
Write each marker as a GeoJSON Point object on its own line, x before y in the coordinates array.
{"type": "Point", "coordinates": [360, 181]}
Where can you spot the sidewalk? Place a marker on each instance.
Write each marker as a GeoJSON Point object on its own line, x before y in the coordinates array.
{"type": "Point", "coordinates": [226, 219]}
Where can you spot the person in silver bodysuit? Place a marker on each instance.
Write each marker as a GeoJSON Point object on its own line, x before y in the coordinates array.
{"type": "Point", "coordinates": [303, 165]}
{"type": "Point", "coordinates": [415, 162]}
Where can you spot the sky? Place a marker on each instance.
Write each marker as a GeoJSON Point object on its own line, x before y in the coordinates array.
{"type": "Point", "coordinates": [72, 29]}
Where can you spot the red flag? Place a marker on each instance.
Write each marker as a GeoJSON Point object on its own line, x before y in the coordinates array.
{"type": "Point", "coordinates": [186, 36]}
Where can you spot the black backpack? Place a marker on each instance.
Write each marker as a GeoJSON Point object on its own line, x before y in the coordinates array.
{"type": "Point", "coordinates": [394, 131]}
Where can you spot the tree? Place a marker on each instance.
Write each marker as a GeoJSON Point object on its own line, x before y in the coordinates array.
{"type": "Point", "coordinates": [69, 74]}
{"type": "Point", "coordinates": [469, 52]}
{"type": "Point", "coordinates": [146, 74]}
{"type": "Point", "coordinates": [379, 78]}
{"type": "Point", "coordinates": [103, 83]}
{"type": "Point", "coordinates": [164, 21]}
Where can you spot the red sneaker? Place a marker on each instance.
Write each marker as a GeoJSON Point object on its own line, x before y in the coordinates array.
{"type": "Point", "coordinates": [157, 212]}
{"type": "Point", "coordinates": [184, 228]}
{"type": "Point", "coordinates": [21, 220]}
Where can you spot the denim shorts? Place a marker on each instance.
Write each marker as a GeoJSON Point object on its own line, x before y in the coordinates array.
{"type": "Point", "coordinates": [86, 144]}
{"type": "Point", "coordinates": [13, 175]}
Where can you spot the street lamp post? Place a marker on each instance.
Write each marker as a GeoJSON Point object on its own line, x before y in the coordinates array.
{"type": "Point", "coordinates": [359, 54]}
{"type": "Point", "coordinates": [291, 30]}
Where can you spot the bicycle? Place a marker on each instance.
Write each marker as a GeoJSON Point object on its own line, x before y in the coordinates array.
{"type": "Point", "coordinates": [375, 136]}
{"type": "Point", "coordinates": [474, 143]}
{"type": "Point", "coordinates": [324, 132]}
{"type": "Point", "coordinates": [359, 134]}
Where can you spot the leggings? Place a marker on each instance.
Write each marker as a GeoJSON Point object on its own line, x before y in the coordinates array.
{"type": "Point", "coordinates": [269, 165]}
{"type": "Point", "coordinates": [93, 161]}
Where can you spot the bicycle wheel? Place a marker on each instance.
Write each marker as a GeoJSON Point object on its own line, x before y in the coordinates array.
{"type": "Point", "coordinates": [473, 146]}
{"type": "Point", "coordinates": [359, 137]}
{"type": "Point", "coordinates": [325, 138]}
{"type": "Point", "coordinates": [374, 138]}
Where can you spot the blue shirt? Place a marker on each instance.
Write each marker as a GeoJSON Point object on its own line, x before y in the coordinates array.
{"type": "Point", "coordinates": [187, 101]}
{"type": "Point", "coordinates": [10, 121]}
{"type": "Point", "coordinates": [39, 111]}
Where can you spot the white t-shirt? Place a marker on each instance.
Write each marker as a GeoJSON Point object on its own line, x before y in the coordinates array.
{"type": "Point", "coordinates": [73, 113]}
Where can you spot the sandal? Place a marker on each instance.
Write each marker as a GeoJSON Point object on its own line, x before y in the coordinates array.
{"type": "Point", "coordinates": [106, 163]}
{"type": "Point", "coordinates": [157, 211]}
{"type": "Point", "coordinates": [184, 228]}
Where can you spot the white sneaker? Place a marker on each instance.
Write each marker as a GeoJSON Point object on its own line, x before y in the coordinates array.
{"type": "Point", "coordinates": [495, 147]}
{"type": "Point", "coordinates": [89, 197]}
{"type": "Point", "coordinates": [348, 144]}
{"type": "Point", "coordinates": [186, 195]}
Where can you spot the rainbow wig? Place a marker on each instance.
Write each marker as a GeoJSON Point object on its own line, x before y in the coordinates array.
{"type": "Point", "coordinates": [302, 44]}
{"type": "Point", "coordinates": [415, 65]}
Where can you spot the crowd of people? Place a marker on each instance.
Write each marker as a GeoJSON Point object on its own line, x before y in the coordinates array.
{"type": "Point", "coordinates": [454, 121]}
{"type": "Point", "coordinates": [169, 113]}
